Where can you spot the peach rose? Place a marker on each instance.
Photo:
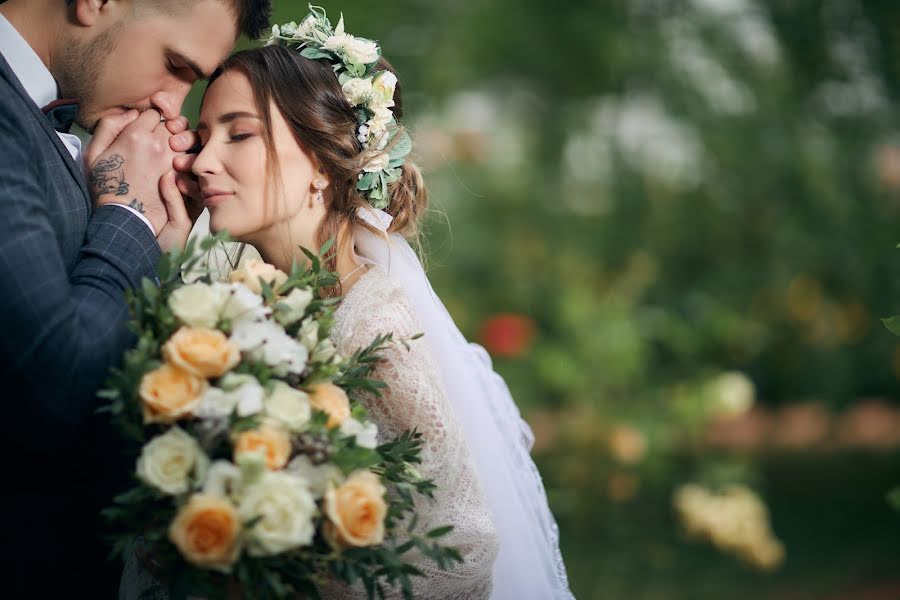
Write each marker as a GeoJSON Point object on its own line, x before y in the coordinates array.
{"type": "Point", "coordinates": [269, 440]}
{"type": "Point", "coordinates": [253, 270]}
{"type": "Point", "coordinates": [206, 531]}
{"type": "Point", "coordinates": [170, 393]}
{"type": "Point", "coordinates": [331, 399]}
{"type": "Point", "coordinates": [356, 511]}
{"type": "Point", "coordinates": [204, 352]}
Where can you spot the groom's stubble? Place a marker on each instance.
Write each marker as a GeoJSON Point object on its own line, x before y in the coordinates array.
{"type": "Point", "coordinates": [81, 68]}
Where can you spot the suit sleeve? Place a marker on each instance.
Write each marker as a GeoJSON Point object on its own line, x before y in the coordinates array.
{"type": "Point", "coordinates": [61, 330]}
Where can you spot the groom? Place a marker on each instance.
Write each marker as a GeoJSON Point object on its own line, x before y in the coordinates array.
{"type": "Point", "coordinates": [79, 226]}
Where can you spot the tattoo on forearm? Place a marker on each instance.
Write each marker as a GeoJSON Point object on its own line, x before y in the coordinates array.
{"type": "Point", "coordinates": [137, 205]}
{"type": "Point", "coordinates": [108, 176]}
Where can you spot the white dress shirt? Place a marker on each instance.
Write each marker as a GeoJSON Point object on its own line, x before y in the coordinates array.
{"type": "Point", "coordinates": [35, 77]}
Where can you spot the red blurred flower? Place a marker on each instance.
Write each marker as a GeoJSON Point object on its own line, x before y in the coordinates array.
{"type": "Point", "coordinates": [507, 335]}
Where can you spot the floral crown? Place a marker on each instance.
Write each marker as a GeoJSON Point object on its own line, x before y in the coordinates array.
{"type": "Point", "coordinates": [370, 94]}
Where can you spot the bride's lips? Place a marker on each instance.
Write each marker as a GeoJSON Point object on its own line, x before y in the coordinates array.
{"type": "Point", "coordinates": [213, 197]}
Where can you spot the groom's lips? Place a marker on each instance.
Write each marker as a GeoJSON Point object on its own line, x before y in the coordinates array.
{"type": "Point", "coordinates": [213, 197]}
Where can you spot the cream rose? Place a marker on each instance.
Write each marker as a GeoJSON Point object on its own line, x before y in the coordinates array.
{"type": "Point", "coordinates": [253, 270]}
{"type": "Point", "coordinates": [198, 304]}
{"type": "Point", "coordinates": [292, 307]}
{"type": "Point", "coordinates": [330, 399]}
{"type": "Point", "coordinates": [309, 334]}
{"type": "Point", "coordinates": [204, 352]}
{"type": "Point", "coordinates": [288, 406]}
{"type": "Point", "coordinates": [383, 88]}
{"type": "Point", "coordinates": [285, 508]}
{"type": "Point", "coordinates": [269, 440]}
{"type": "Point", "coordinates": [357, 90]}
{"type": "Point", "coordinates": [170, 393]}
{"type": "Point", "coordinates": [356, 511]}
{"type": "Point", "coordinates": [377, 163]}
{"type": "Point", "coordinates": [168, 461]}
{"type": "Point", "coordinates": [206, 531]}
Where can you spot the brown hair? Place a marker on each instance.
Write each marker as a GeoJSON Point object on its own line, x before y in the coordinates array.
{"type": "Point", "coordinates": [310, 99]}
{"type": "Point", "coordinates": [252, 15]}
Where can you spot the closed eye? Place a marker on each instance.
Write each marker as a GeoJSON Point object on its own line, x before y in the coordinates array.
{"type": "Point", "coordinates": [238, 137]}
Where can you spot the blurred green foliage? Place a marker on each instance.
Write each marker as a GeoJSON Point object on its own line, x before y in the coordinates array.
{"type": "Point", "coordinates": [659, 191]}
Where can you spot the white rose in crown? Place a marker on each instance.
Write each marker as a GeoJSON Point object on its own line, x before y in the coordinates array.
{"type": "Point", "coordinates": [380, 120]}
{"type": "Point", "coordinates": [285, 508]}
{"type": "Point", "coordinates": [377, 163]}
{"type": "Point", "coordinates": [288, 405]}
{"type": "Point", "coordinates": [198, 304]}
{"type": "Point", "coordinates": [383, 89]}
{"type": "Point", "coordinates": [357, 50]}
{"type": "Point", "coordinates": [169, 460]}
{"type": "Point", "coordinates": [357, 90]}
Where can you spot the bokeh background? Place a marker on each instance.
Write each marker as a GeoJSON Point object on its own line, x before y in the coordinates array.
{"type": "Point", "coordinates": [673, 225]}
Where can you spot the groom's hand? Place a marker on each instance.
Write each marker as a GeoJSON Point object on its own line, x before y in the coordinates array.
{"type": "Point", "coordinates": [129, 171]}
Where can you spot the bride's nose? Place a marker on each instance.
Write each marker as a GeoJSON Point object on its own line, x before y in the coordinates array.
{"type": "Point", "coordinates": [207, 162]}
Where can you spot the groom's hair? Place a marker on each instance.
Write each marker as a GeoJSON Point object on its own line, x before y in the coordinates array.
{"type": "Point", "coordinates": [252, 15]}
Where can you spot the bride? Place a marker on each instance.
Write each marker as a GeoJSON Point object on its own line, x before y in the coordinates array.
{"type": "Point", "coordinates": [301, 143]}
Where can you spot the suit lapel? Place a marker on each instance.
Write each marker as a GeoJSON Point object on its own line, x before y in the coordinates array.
{"type": "Point", "coordinates": [74, 168]}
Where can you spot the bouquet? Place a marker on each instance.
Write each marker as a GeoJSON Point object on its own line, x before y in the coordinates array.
{"type": "Point", "coordinates": [254, 468]}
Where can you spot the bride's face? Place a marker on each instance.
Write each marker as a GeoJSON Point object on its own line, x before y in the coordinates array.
{"type": "Point", "coordinates": [232, 166]}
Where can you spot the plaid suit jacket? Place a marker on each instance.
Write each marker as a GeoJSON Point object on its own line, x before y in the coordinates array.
{"type": "Point", "coordinates": [63, 274]}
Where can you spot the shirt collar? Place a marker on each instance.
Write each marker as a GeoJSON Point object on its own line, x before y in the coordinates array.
{"type": "Point", "coordinates": [31, 71]}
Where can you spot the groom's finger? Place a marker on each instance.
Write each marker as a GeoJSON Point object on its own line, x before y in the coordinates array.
{"type": "Point", "coordinates": [177, 125]}
{"type": "Point", "coordinates": [184, 141]}
{"type": "Point", "coordinates": [184, 163]}
{"type": "Point", "coordinates": [106, 133]}
{"type": "Point", "coordinates": [187, 185]}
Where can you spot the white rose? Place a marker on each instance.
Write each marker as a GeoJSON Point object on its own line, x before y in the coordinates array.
{"type": "Point", "coordinates": [223, 479]}
{"type": "Point", "coordinates": [285, 508]}
{"type": "Point", "coordinates": [377, 163]}
{"type": "Point", "coordinates": [249, 335]}
{"type": "Point", "coordinates": [289, 29]}
{"type": "Point", "coordinates": [291, 308]}
{"type": "Point", "coordinates": [242, 304]}
{"type": "Point", "coordinates": [365, 433]}
{"type": "Point", "coordinates": [285, 354]}
{"type": "Point", "coordinates": [361, 51]}
{"type": "Point", "coordinates": [198, 304]}
{"type": "Point", "coordinates": [309, 334]}
{"type": "Point", "coordinates": [168, 460]}
{"type": "Point", "coordinates": [236, 391]}
{"type": "Point", "coordinates": [288, 405]}
{"type": "Point", "coordinates": [317, 477]}
{"type": "Point", "coordinates": [356, 50]}
{"type": "Point", "coordinates": [381, 119]}
{"type": "Point", "coordinates": [357, 90]}
{"type": "Point", "coordinates": [306, 28]}
{"type": "Point", "coordinates": [383, 88]}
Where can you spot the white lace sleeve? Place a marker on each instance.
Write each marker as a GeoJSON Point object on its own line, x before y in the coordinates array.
{"type": "Point", "coordinates": [415, 398]}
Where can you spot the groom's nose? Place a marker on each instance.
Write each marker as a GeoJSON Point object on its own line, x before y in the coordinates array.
{"type": "Point", "coordinates": [168, 102]}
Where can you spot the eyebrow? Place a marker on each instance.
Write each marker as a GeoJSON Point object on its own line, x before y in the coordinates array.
{"type": "Point", "coordinates": [229, 117]}
{"type": "Point", "coordinates": [190, 64]}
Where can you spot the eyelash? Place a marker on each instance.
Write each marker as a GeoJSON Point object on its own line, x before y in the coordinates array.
{"type": "Point", "coordinates": [240, 137]}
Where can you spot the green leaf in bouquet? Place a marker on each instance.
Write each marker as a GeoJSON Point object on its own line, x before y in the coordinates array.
{"type": "Point", "coordinates": [439, 532]}
{"type": "Point", "coordinates": [351, 458]}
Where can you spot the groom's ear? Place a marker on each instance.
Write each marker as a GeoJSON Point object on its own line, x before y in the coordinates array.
{"type": "Point", "coordinates": [90, 12]}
